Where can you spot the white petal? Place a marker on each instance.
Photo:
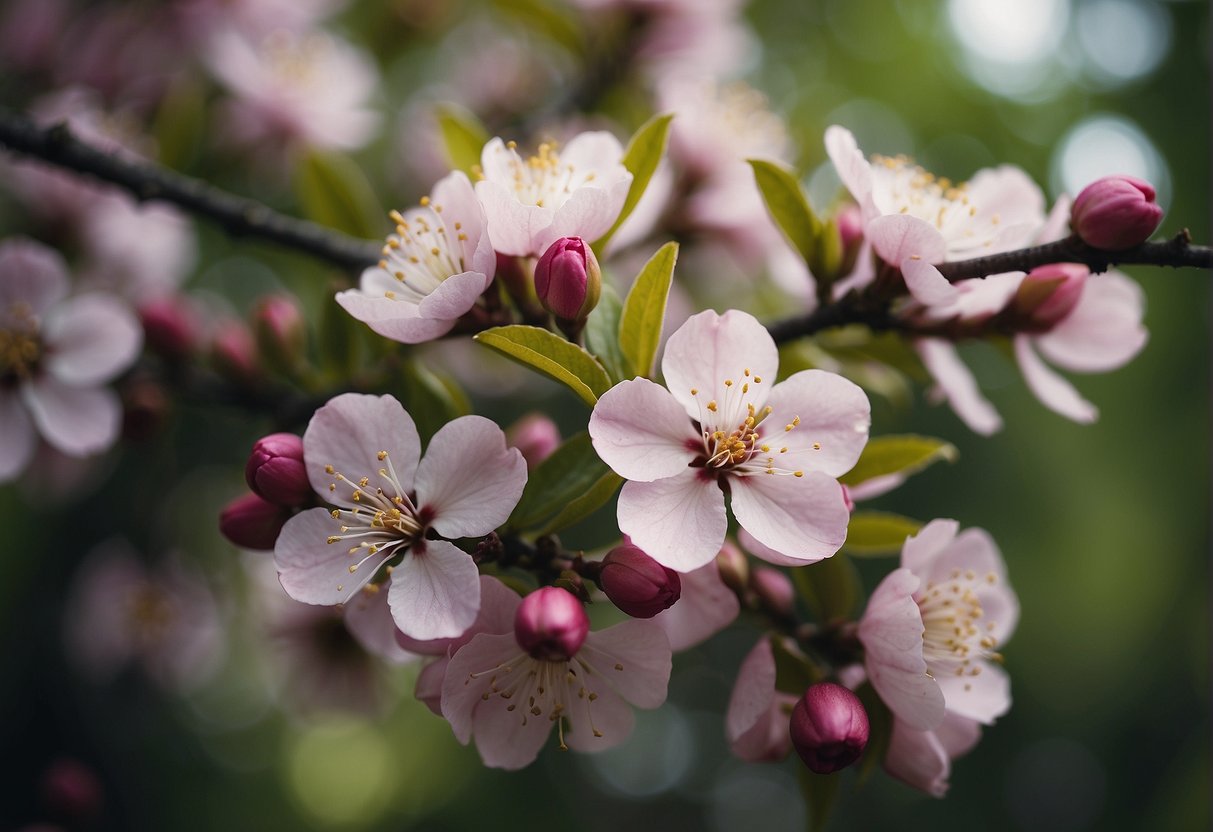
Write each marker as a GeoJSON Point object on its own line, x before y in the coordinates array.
{"type": "Point", "coordinates": [958, 385]}
{"type": "Point", "coordinates": [498, 604]}
{"type": "Point", "coordinates": [918, 758]}
{"type": "Point", "coordinates": [1053, 391]}
{"type": "Point", "coordinates": [680, 522]}
{"type": "Point", "coordinates": [1104, 331]}
{"type": "Point", "coordinates": [833, 413]}
{"type": "Point", "coordinates": [983, 697]}
{"type": "Point", "coordinates": [898, 237]}
{"type": "Point", "coordinates": [31, 275]}
{"type": "Point", "coordinates": [589, 213]}
{"type": "Point", "coordinates": [513, 227]}
{"type": "Point", "coordinates": [349, 432]}
{"type": "Point", "coordinates": [926, 283]}
{"type": "Point", "coordinates": [800, 517]}
{"type": "Point", "coordinates": [705, 607]}
{"type": "Point", "coordinates": [78, 421]}
{"type": "Point", "coordinates": [853, 169]}
{"type": "Point", "coordinates": [633, 658]}
{"type": "Point", "coordinates": [17, 437]}
{"type": "Point", "coordinates": [91, 339]}
{"type": "Point", "coordinates": [461, 692]}
{"type": "Point", "coordinates": [639, 430]}
{"type": "Point", "coordinates": [398, 320]}
{"type": "Point", "coordinates": [454, 296]}
{"type": "Point", "coordinates": [710, 348]}
{"type": "Point", "coordinates": [921, 551]}
{"type": "Point", "coordinates": [314, 571]}
{"type": "Point", "coordinates": [369, 620]}
{"type": "Point", "coordinates": [454, 193]}
{"type": "Point", "coordinates": [596, 726]}
{"type": "Point", "coordinates": [435, 591]}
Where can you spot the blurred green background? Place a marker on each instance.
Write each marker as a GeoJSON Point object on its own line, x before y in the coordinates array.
{"type": "Point", "coordinates": [1105, 528]}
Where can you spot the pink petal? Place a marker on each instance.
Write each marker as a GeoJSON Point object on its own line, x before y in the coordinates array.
{"type": "Point", "coordinates": [750, 702]}
{"type": "Point", "coordinates": [705, 607]}
{"type": "Point", "coordinates": [498, 604]}
{"type": "Point", "coordinates": [958, 385]}
{"type": "Point", "coordinates": [428, 689]}
{"type": "Point", "coordinates": [1057, 224]}
{"type": "Point", "coordinates": [435, 591]}
{"type": "Point", "coordinates": [1053, 391]}
{"type": "Point", "coordinates": [469, 480]}
{"type": "Point", "coordinates": [461, 691]}
{"type": "Point", "coordinates": [799, 517]}
{"type": "Point", "coordinates": [31, 275]}
{"type": "Point", "coordinates": [899, 237]}
{"type": "Point", "coordinates": [891, 631]}
{"type": "Point", "coordinates": [314, 571]}
{"type": "Point", "coordinates": [853, 169]}
{"type": "Point", "coordinates": [958, 735]}
{"type": "Point", "coordinates": [78, 421]}
{"type": "Point", "coordinates": [1104, 331]}
{"type": "Point", "coordinates": [17, 437]}
{"type": "Point", "coordinates": [589, 213]}
{"type": "Point", "coordinates": [596, 150]}
{"type": "Point", "coordinates": [639, 430]}
{"type": "Point", "coordinates": [369, 620]}
{"type": "Point", "coordinates": [506, 739]}
{"type": "Point", "coordinates": [918, 759]}
{"type": "Point", "coordinates": [349, 432]}
{"type": "Point", "coordinates": [633, 658]}
{"type": "Point", "coordinates": [680, 522]}
{"type": "Point", "coordinates": [609, 715]}
{"type": "Point", "coordinates": [91, 339]}
{"type": "Point", "coordinates": [921, 551]}
{"type": "Point", "coordinates": [455, 194]}
{"type": "Point", "coordinates": [1008, 193]}
{"type": "Point", "coordinates": [454, 296]}
{"type": "Point", "coordinates": [398, 320]}
{"type": "Point", "coordinates": [926, 283]}
{"type": "Point", "coordinates": [513, 227]}
{"type": "Point", "coordinates": [983, 697]}
{"type": "Point", "coordinates": [710, 348]}
{"type": "Point", "coordinates": [834, 415]}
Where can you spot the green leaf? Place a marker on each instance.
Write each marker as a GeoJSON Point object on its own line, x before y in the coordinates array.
{"type": "Point", "coordinates": [602, 334]}
{"type": "Point", "coordinates": [820, 793]}
{"type": "Point", "coordinates": [644, 311]}
{"type": "Point", "coordinates": [599, 495]}
{"type": "Point", "coordinates": [876, 533]}
{"type": "Point", "coordinates": [643, 154]}
{"type": "Point", "coordinates": [830, 588]}
{"type": "Point", "coordinates": [463, 137]}
{"type": "Point", "coordinates": [786, 201]}
{"type": "Point", "coordinates": [551, 355]}
{"type": "Point", "coordinates": [898, 454]}
{"type": "Point", "coordinates": [571, 472]}
{"type": "Point", "coordinates": [334, 192]}
{"type": "Point", "coordinates": [794, 671]}
{"type": "Point", "coordinates": [432, 400]}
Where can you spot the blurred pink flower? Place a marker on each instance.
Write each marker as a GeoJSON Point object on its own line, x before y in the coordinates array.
{"type": "Point", "coordinates": [756, 724]}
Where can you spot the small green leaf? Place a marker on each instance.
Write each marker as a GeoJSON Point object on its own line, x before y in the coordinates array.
{"type": "Point", "coordinates": [830, 588]}
{"type": "Point", "coordinates": [572, 471]}
{"type": "Point", "coordinates": [334, 192]}
{"type": "Point", "coordinates": [644, 311]}
{"type": "Point", "coordinates": [820, 793]}
{"type": "Point", "coordinates": [794, 671]}
{"type": "Point", "coordinates": [602, 333]}
{"type": "Point", "coordinates": [876, 533]}
{"type": "Point", "coordinates": [432, 400]}
{"type": "Point", "coordinates": [786, 201]}
{"type": "Point", "coordinates": [577, 510]}
{"type": "Point", "coordinates": [826, 257]}
{"type": "Point", "coordinates": [463, 137]}
{"type": "Point", "coordinates": [551, 355]}
{"type": "Point", "coordinates": [898, 454]}
{"type": "Point", "coordinates": [643, 154]}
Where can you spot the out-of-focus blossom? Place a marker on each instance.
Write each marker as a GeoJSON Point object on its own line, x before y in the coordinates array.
{"type": "Point", "coordinates": [705, 606]}
{"type": "Point", "coordinates": [637, 584]}
{"type": "Point", "coordinates": [29, 32]}
{"type": "Point", "coordinates": [568, 279]}
{"type": "Point", "coordinates": [55, 355]}
{"type": "Point", "coordinates": [253, 522]}
{"type": "Point", "coordinates": [778, 448]}
{"type": "Point", "coordinates": [774, 588]}
{"type": "Point", "coordinates": [496, 691]}
{"type": "Point", "coordinates": [121, 612]}
{"type": "Point", "coordinates": [275, 470]}
{"type": "Point", "coordinates": [829, 727]}
{"type": "Point", "coordinates": [923, 759]}
{"type": "Point", "coordinates": [234, 352]}
{"type": "Point", "coordinates": [280, 330]}
{"type": "Point", "coordinates": [756, 723]}
{"type": "Point", "coordinates": [302, 89]}
{"type": "Point", "coordinates": [171, 328]}
{"type": "Point", "coordinates": [254, 18]}
{"type": "Point", "coordinates": [574, 191]}
{"type": "Point", "coordinates": [363, 455]}
{"type": "Point", "coordinates": [72, 792]}
{"type": "Point", "coordinates": [434, 268]}
{"type": "Point", "coordinates": [536, 436]}
{"type": "Point", "coordinates": [1115, 213]}
{"type": "Point", "coordinates": [932, 627]}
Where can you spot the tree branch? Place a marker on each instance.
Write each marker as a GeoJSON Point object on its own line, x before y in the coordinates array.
{"type": "Point", "coordinates": [238, 216]}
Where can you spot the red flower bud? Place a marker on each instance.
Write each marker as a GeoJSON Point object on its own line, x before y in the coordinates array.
{"type": "Point", "coordinates": [170, 327]}
{"type": "Point", "coordinates": [637, 584]}
{"type": "Point", "coordinates": [1049, 293]}
{"type": "Point", "coordinates": [568, 279]}
{"type": "Point", "coordinates": [1115, 213]}
{"type": "Point", "coordinates": [280, 330]}
{"type": "Point", "coordinates": [536, 436]}
{"type": "Point", "coordinates": [551, 624]}
{"type": "Point", "coordinates": [234, 353]}
{"type": "Point", "coordinates": [275, 470]}
{"type": "Point", "coordinates": [252, 523]}
{"type": "Point", "coordinates": [829, 727]}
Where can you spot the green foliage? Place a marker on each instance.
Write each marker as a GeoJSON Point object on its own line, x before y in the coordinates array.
{"type": "Point", "coordinates": [644, 311]}
{"type": "Point", "coordinates": [830, 588]}
{"type": "Point", "coordinates": [334, 192]}
{"type": "Point", "coordinates": [794, 671]}
{"type": "Point", "coordinates": [598, 495]}
{"type": "Point", "coordinates": [463, 137]}
{"type": "Point", "coordinates": [898, 454]}
{"type": "Point", "coordinates": [880, 730]}
{"type": "Point", "coordinates": [788, 206]}
{"type": "Point", "coordinates": [820, 792]}
{"type": "Point", "coordinates": [602, 334]}
{"type": "Point", "coordinates": [877, 533]}
{"type": "Point", "coordinates": [432, 400]}
{"type": "Point", "coordinates": [573, 471]}
{"type": "Point", "coordinates": [641, 158]}
{"type": "Point", "coordinates": [181, 123]}
{"type": "Point", "coordinates": [551, 355]}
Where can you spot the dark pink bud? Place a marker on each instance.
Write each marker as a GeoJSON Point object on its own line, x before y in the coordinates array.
{"type": "Point", "coordinates": [252, 523]}
{"type": "Point", "coordinates": [1115, 213]}
{"type": "Point", "coordinates": [72, 792]}
{"type": "Point", "coordinates": [1049, 293]}
{"type": "Point", "coordinates": [637, 584]}
{"type": "Point", "coordinates": [536, 436]}
{"type": "Point", "coordinates": [234, 352]}
{"type": "Point", "coordinates": [275, 470]}
{"type": "Point", "coordinates": [551, 624]}
{"type": "Point", "coordinates": [733, 566]}
{"type": "Point", "coordinates": [829, 727]}
{"type": "Point", "coordinates": [170, 327]}
{"type": "Point", "coordinates": [280, 330]}
{"type": "Point", "coordinates": [774, 589]}
{"type": "Point", "coordinates": [568, 279]}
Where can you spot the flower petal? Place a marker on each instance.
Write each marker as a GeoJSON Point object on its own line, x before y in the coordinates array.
{"type": "Point", "coordinates": [1104, 331]}
{"type": "Point", "coordinates": [898, 237]}
{"type": "Point", "coordinates": [705, 607]}
{"type": "Point", "coordinates": [91, 339]}
{"type": "Point", "coordinates": [78, 421]}
{"type": "Point", "coordinates": [469, 480]}
{"type": "Point", "coordinates": [926, 283]}
{"type": "Point", "coordinates": [804, 518]}
{"type": "Point", "coordinates": [680, 522]}
{"type": "Point", "coordinates": [399, 320]}
{"type": "Point", "coordinates": [983, 697]}
{"type": "Point", "coordinates": [349, 432]}
{"type": "Point", "coordinates": [710, 348]}
{"type": "Point", "coordinates": [512, 226]}
{"type": "Point", "coordinates": [750, 701]}
{"type": "Point", "coordinates": [921, 550]}
{"type": "Point", "coordinates": [596, 726]}
{"type": "Point", "coordinates": [853, 169]}
{"type": "Point", "coordinates": [498, 604]}
{"type": "Point", "coordinates": [834, 417]}
{"type": "Point", "coordinates": [1053, 391]}
{"type": "Point", "coordinates": [918, 759]}
{"type": "Point", "coordinates": [642, 432]}
{"type": "Point", "coordinates": [369, 620]}
{"type": "Point", "coordinates": [314, 571]}
{"type": "Point", "coordinates": [633, 658]}
{"type": "Point", "coordinates": [435, 591]}
{"type": "Point", "coordinates": [455, 194]}
{"type": "Point", "coordinates": [428, 689]}
{"type": "Point", "coordinates": [461, 690]}
{"type": "Point", "coordinates": [589, 213]}
{"type": "Point", "coordinates": [31, 275]}
{"type": "Point", "coordinates": [17, 437]}
{"type": "Point", "coordinates": [958, 385]}
{"type": "Point", "coordinates": [454, 296]}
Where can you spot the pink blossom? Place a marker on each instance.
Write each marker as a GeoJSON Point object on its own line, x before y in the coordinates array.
{"type": "Point", "coordinates": [923, 759]}
{"type": "Point", "coordinates": [509, 701]}
{"type": "Point", "coordinates": [363, 455]}
{"type": "Point", "coordinates": [434, 268]}
{"type": "Point", "coordinates": [756, 724]}
{"type": "Point", "coordinates": [914, 219]}
{"type": "Point", "coordinates": [55, 355]}
{"type": "Point", "coordinates": [574, 191]}
{"type": "Point", "coordinates": [722, 427]}
{"type": "Point", "coordinates": [932, 627]}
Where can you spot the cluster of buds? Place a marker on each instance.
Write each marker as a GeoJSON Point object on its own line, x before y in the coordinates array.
{"type": "Point", "coordinates": [278, 479]}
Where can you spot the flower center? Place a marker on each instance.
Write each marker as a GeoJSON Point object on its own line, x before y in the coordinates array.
{"type": "Point", "coordinates": [955, 639]}
{"type": "Point", "coordinates": [542, 180]}
{"type": "Point", "coordinates": [420, 254]}
{"type": "Point", "coordinates": [20, 346]}
{"type": "Point", "coordinates": [905, 188]}
{"type": "Point", "coordinates": [150, 613]}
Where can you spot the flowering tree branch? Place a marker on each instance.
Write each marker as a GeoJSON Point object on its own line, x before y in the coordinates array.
{"type": "Point", "coordinates": [237, 215]}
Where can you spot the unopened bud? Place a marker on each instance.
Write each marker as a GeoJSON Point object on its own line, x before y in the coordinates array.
{"type": "Point", "coordinates": [551, 624]}
{"type": "Point", "coordinates": [234, 353]}
{"type": "Point", "coordinates": [170, 327]}
{"type": "Point", "coordinates": [1049, 293]}
{"type": "Point", "coordinates": [637, 584]}
{"type": "Point", "coordinates": [849, 221]}
{"type": "Point", "coordinates": [733, 566]}
{"type": "Point", "coordinates": [280, 331]}
{"type": "Point", "coordinates": [829, 727]}
{"type": "Point", "coordinates": [774, 589]}
{"type": "Point", "coordinates": [568, 279]}
{"type": "Point", "coordinates": [252, 523]}
{"type": "Point", "coordinates": [1115, 213]}
{"type": "Point", "coordinates": [275, 470]}
{"type": "Point", "coordinates": [536, 436]}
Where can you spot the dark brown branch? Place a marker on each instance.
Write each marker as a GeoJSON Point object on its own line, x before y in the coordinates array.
{"type": "Point", "coordinates": [238, 216]}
